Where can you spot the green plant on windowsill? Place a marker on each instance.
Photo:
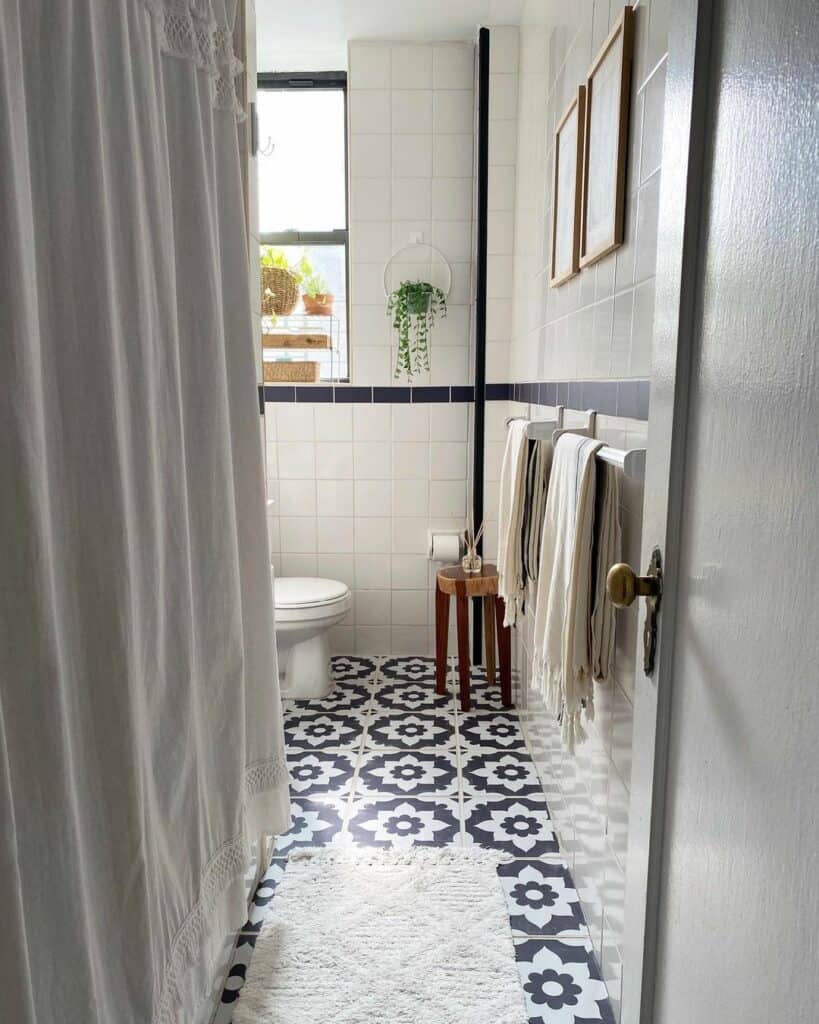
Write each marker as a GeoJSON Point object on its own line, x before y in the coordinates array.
{"type": "Point", "coordinates": [316, 295]}
{"type": "Point", "coordinates": [413, 308]}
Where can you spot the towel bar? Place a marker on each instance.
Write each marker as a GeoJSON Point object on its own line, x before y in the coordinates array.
{"type": "Point", "coordinates": [632, 461]}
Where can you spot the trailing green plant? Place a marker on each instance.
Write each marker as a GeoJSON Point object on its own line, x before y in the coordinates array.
{"type": "Point", "coordinates": [272, 256]}
{"type": "Point", "coordinates": [315, 284]}
{"type": "Point", "coordinates": [413, 308]}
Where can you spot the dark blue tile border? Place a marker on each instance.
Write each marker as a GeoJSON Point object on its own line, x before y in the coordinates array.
{"type": "Point", "coordinates": [278, 393]}
{"type": "Point", "coordinates": [354, 395]}
{"type": "Point", "coordinates": [430, 394]}
{"type": "Point", "coordinates": [624, 398]}
{"type": "Point", "coordinates": [399, 396]}
{"type": "Point", "coordinates": [462, 393]}
{"type": "Point", "coordinates": [314, 394]}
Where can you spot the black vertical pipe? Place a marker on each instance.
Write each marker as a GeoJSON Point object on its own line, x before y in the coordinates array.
{"type": "Point", "coordinates": [480, 316]}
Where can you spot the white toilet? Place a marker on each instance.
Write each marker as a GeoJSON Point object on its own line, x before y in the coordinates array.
{"type": "Point", "coordinates": [306, 609]}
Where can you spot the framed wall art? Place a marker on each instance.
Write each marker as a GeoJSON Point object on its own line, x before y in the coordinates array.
{"type": "Point", "coordinates": [606, 141]}
{"type": "Point", "coordinates": [567, 183]}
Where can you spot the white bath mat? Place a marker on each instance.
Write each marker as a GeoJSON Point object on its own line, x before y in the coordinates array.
{"type": "Point", "coordinates": [385, 937]}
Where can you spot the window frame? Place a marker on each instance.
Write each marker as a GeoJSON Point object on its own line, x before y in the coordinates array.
{"type": "Point", "coordinates": [285, 81]}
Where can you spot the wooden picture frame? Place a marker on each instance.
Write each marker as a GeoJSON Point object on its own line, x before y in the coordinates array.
{"type": "Point", "coordinates": [567, 180]}
{"type": "Point", "coordinates": [608, 86]}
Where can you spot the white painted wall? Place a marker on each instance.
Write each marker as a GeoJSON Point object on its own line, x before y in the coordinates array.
{"type": "Point", "coordinates": [740, 888]}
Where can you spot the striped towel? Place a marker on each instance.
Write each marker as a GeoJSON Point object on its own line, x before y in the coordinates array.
{"type": "Point", "coordinates": [538, 467]}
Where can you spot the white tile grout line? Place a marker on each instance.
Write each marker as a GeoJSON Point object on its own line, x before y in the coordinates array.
{"type": "Point", "coordinates": [367, 714]}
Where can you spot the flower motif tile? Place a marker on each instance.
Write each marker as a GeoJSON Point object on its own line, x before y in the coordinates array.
{"type": "Point", "coordinates": [413, 670]}
{"type": "Point", "coordinates": [410, 732]}
{"type": "Point", "coordinates": [497, 732]}
{"type": "Point", "coordinates": [405, 822]}
{"type": "Point", "coordinates": [403, 697]}
{"type": "Point", "coordinates": [312, 824]}
{"type": "Point", "coordinates": [236, 977]}
{"type": "Point", "coordinates": [500, 773]}
{"type": "Point", "coordinates": [344, 696]}
{"type": "Point", "coordinates": [520, 827]}
{"type": "Point", "coordinates": [322, 730]}
{"type": "Point", "coordinates": [541, 898]}
{"type": "Point", "coordinates": [407, 773]}
{"type": "Point", "coordinates": [484, 696]}
{"type": "Point", "coordinates": [262, 897]}
{"type": "Point", "coordinates": [319, 771]}
{"type": "Point", "coordinates": [344, 667]}
{"type": "Point", "coordinates": [561, 982]}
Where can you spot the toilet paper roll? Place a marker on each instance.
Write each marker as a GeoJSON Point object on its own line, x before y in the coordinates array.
{"type": "Point", "coordinates": [446, 547]}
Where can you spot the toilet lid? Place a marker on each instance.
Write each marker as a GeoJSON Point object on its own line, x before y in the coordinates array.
{"type": "Point", "coordinates": [307, 591]}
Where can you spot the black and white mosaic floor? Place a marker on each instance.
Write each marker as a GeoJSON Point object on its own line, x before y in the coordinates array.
{"type": "Point", "coordinates": [385, 762]}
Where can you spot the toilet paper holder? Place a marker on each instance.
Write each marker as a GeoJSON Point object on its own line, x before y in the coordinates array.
{"type": "Point", "coordinates": [449, 547]}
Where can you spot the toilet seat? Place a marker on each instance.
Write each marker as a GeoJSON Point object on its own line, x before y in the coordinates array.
{"type": "Point", "coordinates": [302, 598]}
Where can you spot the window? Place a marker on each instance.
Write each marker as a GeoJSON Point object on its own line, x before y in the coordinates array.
{"type": "Point", "coordinates": [302, 159]}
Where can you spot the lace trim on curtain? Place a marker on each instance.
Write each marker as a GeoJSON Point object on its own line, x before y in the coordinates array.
{"type": "Point", "coordinates": [228, 863]}
{"type": "Point", "coordinates": [189, 29]}
{"type": "Point", "coordinates": [263, 775]}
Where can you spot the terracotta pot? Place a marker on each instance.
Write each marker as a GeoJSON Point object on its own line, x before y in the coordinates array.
{"type": "Point", "coordinates": [318, 305]}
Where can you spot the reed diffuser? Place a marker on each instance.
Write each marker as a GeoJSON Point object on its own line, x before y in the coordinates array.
{"type": "Point", "coordinates": [472, 562]}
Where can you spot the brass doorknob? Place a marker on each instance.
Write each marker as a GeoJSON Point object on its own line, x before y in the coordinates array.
{"type": "Point", "coordinates": [623, 585]}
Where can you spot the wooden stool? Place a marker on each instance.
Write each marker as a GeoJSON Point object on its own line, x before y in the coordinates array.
{"type": "Point", "coordinates": [453, 580]}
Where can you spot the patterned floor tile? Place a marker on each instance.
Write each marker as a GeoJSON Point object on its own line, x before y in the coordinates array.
{"type": "Point", "coordinates": [312, 824]}
{"type": "Point", "coordinates": [322, 730]}
{"type": "Point", "coordinates": [320, 771]}
{"type": "Point", "coordinates": [518, 826]}
{"type": "Point", "coordinates": [561, 982]}
{"type": "Point", "coordinates": [236, 977]}
{"type": "Point", "coordinates": [500, 773]}
{"type": "Point", "coordinates": [499, 731]}
{"type": "Point", "coordinates": [399, 788]}
{"type": "Point", "coordinates": [485, 696]}
{"type": "Point", "coordinates": [263, 896]}
{"type": "Point", "coordinates": [409, 669]}
{"type": "Point", "coordinates": [411, 732]}
{"type": "Point", "coordinates": [541, 898]}
{"type": "Point", "coordinates": [344, 696]}
{"type": "Point", "coordinates": [345, 667]}
{"type": "Point", "coordinates": [403, 697]}
{"type": "Point", "coordinates": [405, 822]}
{"type": "Point", "coordinates": [407, 773]}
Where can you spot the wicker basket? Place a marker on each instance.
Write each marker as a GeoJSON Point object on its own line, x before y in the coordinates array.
{"type": "Point", "coordinates": [291, 373]}
{"type": "Point", "coordinates": [280, 291]}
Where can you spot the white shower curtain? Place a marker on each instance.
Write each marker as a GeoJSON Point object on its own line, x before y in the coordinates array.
{"type": "Point", "coordinates": [140, 721]}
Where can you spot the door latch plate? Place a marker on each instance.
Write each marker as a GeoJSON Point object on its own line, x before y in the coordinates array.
{"type": "Point", "coordinates": [655, 569]}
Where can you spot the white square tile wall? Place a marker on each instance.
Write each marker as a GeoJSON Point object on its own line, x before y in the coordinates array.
{"type": "Point", "coordinates": [360, 509]}
{"type": "Point", "coordinates": [419, 98]}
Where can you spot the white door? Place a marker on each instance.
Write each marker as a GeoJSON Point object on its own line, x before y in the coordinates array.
{"type": "Point", "coordinates": [723, 879]}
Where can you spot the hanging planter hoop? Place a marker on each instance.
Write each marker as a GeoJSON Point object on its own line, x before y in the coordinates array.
{"type": "Point", "coordinates": [421, 245]}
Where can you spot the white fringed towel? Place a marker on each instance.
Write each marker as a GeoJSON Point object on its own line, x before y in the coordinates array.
{"type": "Point", "coordinates": [607, 549]}
{"type": "Point", "coordinates": [562, 659]}
{"type": "Point", "coordinates": [510, 520]}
